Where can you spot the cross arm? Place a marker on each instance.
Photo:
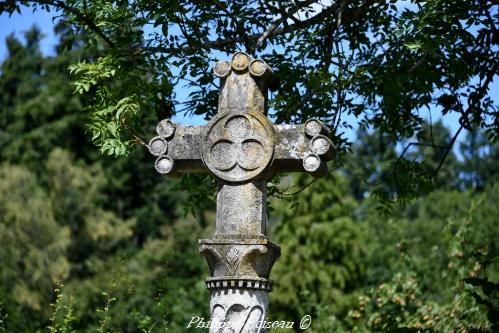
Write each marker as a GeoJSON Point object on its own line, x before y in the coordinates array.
{"type": "Point", "coordinates": [178, 148]}
{"type": "Point", "coordinates": [303, 147]}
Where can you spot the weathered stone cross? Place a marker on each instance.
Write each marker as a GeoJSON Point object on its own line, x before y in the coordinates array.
{"type": "Point", "coordinates": [243, 150]}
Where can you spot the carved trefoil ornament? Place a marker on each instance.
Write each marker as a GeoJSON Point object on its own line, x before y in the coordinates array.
{"type": "Point", "coordinates": [238, 145]}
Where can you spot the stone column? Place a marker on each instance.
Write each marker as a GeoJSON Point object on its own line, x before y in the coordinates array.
{"type": "Point", "coordinates": [243, 150]}
{"type": "Point", "coordinates": [238, 148]}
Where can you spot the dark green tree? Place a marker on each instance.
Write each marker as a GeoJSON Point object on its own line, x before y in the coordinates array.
{"type": "Point", "coordinates": [69, 216]}
{"type": "Point", "coordinates": [480, 158]}
{"type": "Point", "coordinates": [318, 271]}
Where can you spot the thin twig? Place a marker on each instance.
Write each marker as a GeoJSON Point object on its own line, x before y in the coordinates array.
{"type": "Point", "coordinates": [431, 126]}
{"type": "Point", "coordinates": [309, 183]}
{"type": "Point", "coordinates": [406, 149]}
{"type": "Point", "coordinates": [237, 23]}
{"type": "Point", "coordinates": [449, 147]}
{"type": "Point", "coordinates": [137, 138]}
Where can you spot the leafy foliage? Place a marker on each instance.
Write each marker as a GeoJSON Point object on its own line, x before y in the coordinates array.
{"type": "Point", "coordinates": [66, 311]}
{"type": "Point", "coordinates": [489, 296]}
{"type": "Point", "coordinates": [382, 65]}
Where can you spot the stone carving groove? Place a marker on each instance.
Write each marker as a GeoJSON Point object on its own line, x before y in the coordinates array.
{"type": "Point", "coordinates": [234, 311]}
{"type": "Point", "coordinates": [232, 259]}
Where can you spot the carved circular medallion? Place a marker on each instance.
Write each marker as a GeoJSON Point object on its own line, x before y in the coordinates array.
{"type": "Point", "coordinates": [320, 144]}
{"type": "Point", "coordinates": [257, 67]}
{"type": "Point", "coordinates": [166, 128]}
{"type": "Point", "coordinates": [164, 164]}
{"type": "Point", "coordinates": [240, 61]}
{"type": "Point", "coordinates": [311, 163]}
{"type": "Point", "coordinates": [313, 127]}
{"type": "Point", "coordinates": [238, 145]}
{"type": "Point", "coordinates": [158, 146]}
{"type": "Point", "coordinates": [222, 68]}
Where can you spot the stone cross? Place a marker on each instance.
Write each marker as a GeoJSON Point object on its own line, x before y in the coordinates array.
{"type": "Point", "coordinates": [243, 150]}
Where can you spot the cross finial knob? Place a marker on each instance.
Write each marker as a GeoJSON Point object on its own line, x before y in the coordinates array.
{"type": "Point", "coordinates": [243, 83]}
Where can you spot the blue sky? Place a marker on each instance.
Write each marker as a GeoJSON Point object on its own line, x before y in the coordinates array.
{"type": "Point", "coordinates": [18, 23]}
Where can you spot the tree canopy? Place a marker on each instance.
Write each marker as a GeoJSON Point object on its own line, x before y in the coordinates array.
{"type": "Point", "coordinates": [387, 66]}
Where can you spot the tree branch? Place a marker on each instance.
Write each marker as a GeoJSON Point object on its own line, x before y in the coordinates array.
{"type": "Point", "coordinates": [79, 16]}
{"type": "Point", "coordinates": [301, 189]}
{"type": "Point", "coordinates": [484, 6]}
{"type": "Point", "coordinates": [473, 103]}
{"type": "Point", "coordinates": [238, 25]}
{"type": "Point", "coordinates": [273, 30]}
{"type": "Point", "coordinates": [284, 16]}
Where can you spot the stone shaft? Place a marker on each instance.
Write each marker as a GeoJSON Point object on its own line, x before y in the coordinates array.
{"type": "Point", "coordinates": [241, 210]}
